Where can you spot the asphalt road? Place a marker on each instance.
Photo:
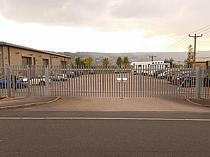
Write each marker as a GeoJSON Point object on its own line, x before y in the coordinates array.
{"type": "Point", "coordinates": [111, 134]}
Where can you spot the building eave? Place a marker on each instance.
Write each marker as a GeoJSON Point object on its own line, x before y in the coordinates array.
{"type": "Point", "coordinates": [31, 49]}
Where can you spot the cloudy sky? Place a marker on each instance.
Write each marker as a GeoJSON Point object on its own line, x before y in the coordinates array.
{"type": "Point", "coordinates": [105, 25]}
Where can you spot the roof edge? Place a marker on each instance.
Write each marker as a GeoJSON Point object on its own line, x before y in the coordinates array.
{"type": "Point", "coordinates": [2, 43]}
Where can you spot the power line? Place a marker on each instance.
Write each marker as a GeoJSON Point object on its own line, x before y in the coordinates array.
{"type": "Point", "coordinates": [177, 42]}
{"type": "Point", "coordinates": [187, 42]}
{"type": "Point", "coordinates": [179, 45]}
{"type": "Point", "coordinates": [205, 31]}
{"type": "Point", "coordinates": [184, 39]}
{"type": "Point", "coordinates": [200, 29]}
{"type": "Point", "coordinates": [182, 43]}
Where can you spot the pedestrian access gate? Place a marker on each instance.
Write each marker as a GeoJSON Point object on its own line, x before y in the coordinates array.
{"type": "Point", "coordinates": [98, 81]}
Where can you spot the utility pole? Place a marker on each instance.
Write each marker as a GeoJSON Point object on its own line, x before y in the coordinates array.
{"type": "Point", "coordinates": [152, 58]}
{"type": "Point", "coordinates": [195, 44]}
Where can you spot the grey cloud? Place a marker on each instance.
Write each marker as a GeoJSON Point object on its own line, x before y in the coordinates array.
{"type": "Point", "coordinates": [160, 8]}
{"type": "Point", "coordinates": [164, 16]}
{"type": "Point", "coordinates": [55, 12]}
{"type": "Point", "coordinates": [110, 14]}
{"type": "Point", "coordinates": [145, 8]}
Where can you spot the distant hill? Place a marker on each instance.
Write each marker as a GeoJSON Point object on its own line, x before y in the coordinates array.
{"type": "Point", "coordinates": [136, 56]}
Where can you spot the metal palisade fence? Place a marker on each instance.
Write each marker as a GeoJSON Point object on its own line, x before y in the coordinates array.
{"type": "Point", "coordinates": [100, 81]}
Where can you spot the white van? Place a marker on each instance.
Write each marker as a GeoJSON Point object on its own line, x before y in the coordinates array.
{"type": "Point", "coordinates": [148, 68]}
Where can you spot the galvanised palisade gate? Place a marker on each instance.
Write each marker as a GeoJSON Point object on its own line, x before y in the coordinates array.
{"type": "Point", "coordinates": [98, 81]}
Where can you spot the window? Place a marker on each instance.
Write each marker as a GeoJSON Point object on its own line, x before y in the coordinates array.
{"type": "Point", "coordinates": [34, 60]}
{"type": "Point", "coordinates": [63, 64]}
{"type": "Point", "coordinates": [45, 62]}
{"type": "Point", "coordinates": [26, 61]}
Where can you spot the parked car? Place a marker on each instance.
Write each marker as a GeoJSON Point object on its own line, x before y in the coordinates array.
{"type": "Point", "coordinates": [59, 77]}
{"type": "Point", "coordinates": [206, 81]}
{"type": "Point", "coordinates": [74, 73]}
{"type": "Point", "coordinates": [23, 78]}
{"type": "Point", "coordinates": [145, 72]}
{"type": "Point", "coordinates": [155, 74]}
{"type": "Point", "coordinates": [190, 81]}
{"type": "Point", "coordinates": [173, 74]}
{"type": "Point", "coordinates": [125, 71]}
{"type": "Point", "coordinates": [181, 76]}
{"type": "Point", "coordinates": [169, 76]}
{"type": "Point", "coordinates": [162, 75]}
{"type": "Point", "coordinates": [92, 71]}
{"type": "Point", "coordinates": [39, 81]}
{"type": "Point", "coordinates": [19, 82]}
{"type": "Point", "coordinates": [159, 74]}
{"type": "Point", "coordinates": [151, 72]}
{"type": "Point", "coordinates": [134, 72]}
{"type": "Point", "coordinates": [71, 74]}
{"type": "Point", "coordinates": [79, 72]}
{"type": "Point", "coordinates": [118, 71]}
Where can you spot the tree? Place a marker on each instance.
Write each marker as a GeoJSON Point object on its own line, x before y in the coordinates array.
{"type": "Point", "coordinates": [166, 61]}
{"type": "Point", "coordinates": [170, 61]}
{"type": "Point", "coordinates": [82, 62]}
{"type": "Point", "coordinates": [125, 61]}
{"type": "Point", "coordinates": [119, 61]}
{"type": "Point", "coordinates": [77, 61]}
{"type": "Point", "coordinates": [105, 62]}
{"type": "Point", "coordinates": [189, 55]}
{"type": "Point", "coordinates": [88, 61]}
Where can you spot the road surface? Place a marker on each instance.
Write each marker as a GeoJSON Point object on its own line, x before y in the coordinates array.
{"type": "Point", "coordinates": [158, 132]}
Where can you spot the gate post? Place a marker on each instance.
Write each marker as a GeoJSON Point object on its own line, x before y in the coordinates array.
{"type": "Point", "coordinates": [46, 91]}
{"type": "Point", "coordinates": [8, 81]}
{"type": "Point", "coordinates": [198, 83]}
{"type": "Point", "coordinates": [28, 71]}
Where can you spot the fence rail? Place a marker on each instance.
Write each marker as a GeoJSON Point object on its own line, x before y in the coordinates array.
{"type": "Point", "coordinates": [98, 81]}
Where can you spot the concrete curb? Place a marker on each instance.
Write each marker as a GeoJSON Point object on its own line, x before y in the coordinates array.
{"type": "Point", "coordinates": [2, 98]}
{"type": "Point", "coordinates": [29, 105]}
{"type": "Point", "coordinates": [195, 103]}
{"type": "Point", "coordinates": [12, 99]}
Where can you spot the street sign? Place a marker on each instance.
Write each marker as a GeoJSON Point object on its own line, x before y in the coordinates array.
{"type": "Point", "coordinates": [125, 79]}
{"type": "Point", "coordinates": [119, 79]}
